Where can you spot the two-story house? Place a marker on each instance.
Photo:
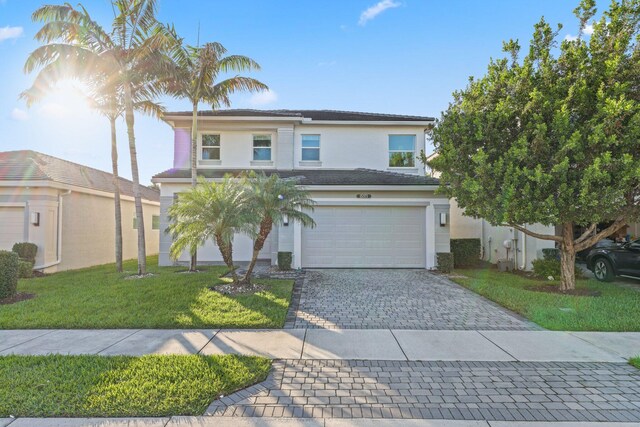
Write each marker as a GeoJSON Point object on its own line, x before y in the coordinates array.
{"type": "Point", "coordinates": [375, 206]}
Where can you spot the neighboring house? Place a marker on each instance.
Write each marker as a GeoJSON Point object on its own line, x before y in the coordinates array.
{"type": "Point", "coordinates": [375, 206]}
{"type": "Point", "coordinates": [493, 240]}
{"type": "Point", "coordinates": [67, 210]}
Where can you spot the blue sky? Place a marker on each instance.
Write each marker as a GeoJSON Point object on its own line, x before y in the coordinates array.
{"type": "Point", "coordinates": [391, 56]}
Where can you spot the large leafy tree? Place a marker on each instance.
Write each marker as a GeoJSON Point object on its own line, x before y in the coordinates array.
{"type": "Point", "coordinates": [273, 201]}
{"type": "Point", "coordinates": [553, 137]}
{"type": "Point", "coordinates": [197, 71]}
{"type": "Point", "coordinates": [132, 56]}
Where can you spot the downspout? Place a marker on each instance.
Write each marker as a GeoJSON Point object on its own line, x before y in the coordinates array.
{"type": "Point", "coordinates": [524, 250]}
{"type": "Point", "coordinates": [58, 235]}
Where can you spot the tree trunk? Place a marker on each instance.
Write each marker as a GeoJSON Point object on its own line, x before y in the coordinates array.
{"type": "Point", "coordinates": [567, 259]}
{"type": "Point", "coordinates": [194, 173]}
{"type": "Point", "coordinates": [265, 228]}
{"type": "Point", "coordinates": [129, 118]}
{"type": "Point", "coordinates": [116, 195]}
{"type": "Point", "coordinates": [226, 250]}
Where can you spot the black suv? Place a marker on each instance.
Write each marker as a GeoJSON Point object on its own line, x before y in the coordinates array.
{"type": "Point", "coordinates": [608, 259]}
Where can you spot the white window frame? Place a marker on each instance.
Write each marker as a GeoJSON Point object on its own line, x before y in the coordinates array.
{"type": "Point", "coordinates": [304, 162]}
{"type": "Point", "coordinates": [253, 147]}
{"type": "Point", "coordinates": [413, 152]}
{"type": "Point", "coordinates": [202, 147]}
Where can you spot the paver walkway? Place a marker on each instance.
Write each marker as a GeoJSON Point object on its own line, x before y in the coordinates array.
{"type": "Point", "coordinates": [396, 299]}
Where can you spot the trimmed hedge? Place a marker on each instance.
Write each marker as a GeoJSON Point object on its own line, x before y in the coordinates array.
{"type": "Point", "coordinates": [25, 269]}
{"type": "Point", "coordinates": [466, 252]}
{"type": "Point", "coordinates": [545, 268]}
{"type": "Point", "coordinates": [26, 251]}
{"type": "Point", "coordinates": [445, 262]}
{"type": "Point", "coordinates": [551, 254]}
{"type": "Point", "coordinates": [284, 260]}
{"type": "Point", "coordinates": [9, 266]}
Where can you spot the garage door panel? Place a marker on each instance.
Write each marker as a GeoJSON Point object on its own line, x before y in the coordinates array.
{"type": "Point", "coordinates": [12, 226]}
{"type": "Point", "coordinates": [366, 237]}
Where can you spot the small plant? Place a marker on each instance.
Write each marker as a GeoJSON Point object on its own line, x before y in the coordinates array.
{"type": "Point", "coordinates": [26, 251]}
{"type": "Point", "coordinates": [284, 260]}
{"type": "Point", "coordinates": [445, 261]}
{"type": "Point", "coordinates": [25, 269]}
{"type": "Point", "coordinates": [551, 254]}
{"type": "Point", "coordinates": [550, 269]}
{"type": "Point", "coordinates": [466, 252]}
{"type": "Point", "coordinates": [9, 266]}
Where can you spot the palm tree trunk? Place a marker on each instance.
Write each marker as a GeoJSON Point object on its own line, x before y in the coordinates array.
{"type": "Point", "coordinates": [194, 173]}
{"type": "Point", "coordinates": [265, 228]}
{"type": "Point", "coordinates": [226, 250]}
{"type": "Point", "coordinates": [129, 118]}
{"type": "Point", "coordinates": [116, 194]}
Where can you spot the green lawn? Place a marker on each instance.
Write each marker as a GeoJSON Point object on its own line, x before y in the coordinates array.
{"type": "Point", "coordinates": [98, 297]}
{"type": "Point", "coordinates": [635, 362]}
{"type": "Point", "coordinates": [615, 310]}
{"type": "Point", "coordinates": [121, 386]}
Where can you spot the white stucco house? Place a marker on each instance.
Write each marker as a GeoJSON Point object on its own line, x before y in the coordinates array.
{"type": "Point", "coordinates": [375, 206]}
{"type": "Point", "coordinates": [67, 210]}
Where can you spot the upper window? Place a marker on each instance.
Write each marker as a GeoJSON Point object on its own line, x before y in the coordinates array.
{"type": "Point", "coordinates": [262, 147]}
{"type": "Point", "coordinates": [402, 151]}
{"type": "Point", "coordinates": [310, 147]}
{"type": "Point", "coordinates": [210, 147]}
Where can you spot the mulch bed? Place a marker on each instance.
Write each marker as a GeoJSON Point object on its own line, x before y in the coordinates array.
{"type": "Point", "coordinates": [20, 296]}
{"type": "Point", "coordinates": [139, 276]}
{"type": "Point", "coordinates": [556, 290]}
{"type": "Point", "coordinates": [231, 290]}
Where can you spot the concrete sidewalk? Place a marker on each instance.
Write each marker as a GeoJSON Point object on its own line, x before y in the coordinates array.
{"type": "Point", "coordinates": [281, 422]}
{"type": "Point", "coordinates": [348, 344]}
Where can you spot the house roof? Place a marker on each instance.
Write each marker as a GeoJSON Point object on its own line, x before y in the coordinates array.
{"type": "Point", "coordinates": [318, 115]}
{"type": "Point", "coordinates": [28, 165]}
{"type": "Point", "coordinates": [315, 176]}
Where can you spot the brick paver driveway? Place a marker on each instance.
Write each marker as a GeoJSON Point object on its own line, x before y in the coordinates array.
{"type": "Point", "coordinates": [398, 299]}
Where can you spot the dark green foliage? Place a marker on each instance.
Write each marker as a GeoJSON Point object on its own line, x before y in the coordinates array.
{"type": "Point", "coordinates": [466, 252]}
{"type": "Point", "coordinates": [26, 251]}
{"type": "Point", "coordinates": [25, 269]}
{"type": "Point", "coordinates": [9, 269]}
{"type": "Point", "coordinates": [549, 267]}
{"type": "Point", "coordinates": [284, 260]}
{"type": "Point", "coordinates": [551, 254]}
{"type": "Point", "coordinates": [445, 262]}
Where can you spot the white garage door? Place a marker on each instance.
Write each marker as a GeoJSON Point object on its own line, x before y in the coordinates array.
{"type": "Point", "coordinates": [11, 226]}
{"type": "Point", "coordinates": [365, 237]}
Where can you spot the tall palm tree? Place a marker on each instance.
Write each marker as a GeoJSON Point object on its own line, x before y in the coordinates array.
{"type": "Point", "coordinates": [211, 211]}
{"type": "Point", "coordinates": [132, 57]}
{"type": "Point", "coordinates": [197, 70]}
{"type": "Point", "coordinates": [273, 201]}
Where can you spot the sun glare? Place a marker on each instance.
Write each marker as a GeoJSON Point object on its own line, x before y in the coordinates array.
{"type": "Point", "coordinates": [68, 99]}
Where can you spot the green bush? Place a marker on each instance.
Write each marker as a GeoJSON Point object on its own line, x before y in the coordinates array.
{"type": "Point", "coordinates": [551, 254]}
{"type": "Point", "coordinates": [25, 269]}
{"type": "Point", "coordinates": [543, 268]}
{"type": "Point", "coordinates": [466, 252]}
{"type": "Point", "coordinates": [26, 251]}
{"type": "Point", "coordinates": [445, 261]}
{"type": "Point", "coordinates": [9, 265]}
{"type": "Point", "coordinates": [284, 260]}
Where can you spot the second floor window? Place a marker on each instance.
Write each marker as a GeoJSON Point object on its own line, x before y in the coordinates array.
{"type": "Point", "coordinates": [310, 147]}
{"type": "Point", "coordinates": [210, 147]}
{"type": "Point", "coordinates": [262, 147]}
{"type": "Point", "coordinates": [402, 151]}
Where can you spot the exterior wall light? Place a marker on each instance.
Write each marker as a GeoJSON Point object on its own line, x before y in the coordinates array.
{"type": "Point", "coordinates": [35, 218]}
{"type": "Point", "coordinates": [443, 219]}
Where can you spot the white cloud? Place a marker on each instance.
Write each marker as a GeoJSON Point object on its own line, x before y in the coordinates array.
{"type": "Point", "coordinates": [263, 98]}
{"type": "Point", "coordinates": [376, 10]}
{"type": "Point", "coordinates": [19, 115]}
{"type": "Point", "coordinates": [588, 29]}
{"type": "Point", "coordinates": [570, 38]}
{"type": "Point", "coordinates": [7, 33]}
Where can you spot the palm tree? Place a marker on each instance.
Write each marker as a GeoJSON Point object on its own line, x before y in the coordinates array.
{"type": "Point", "coordinates": [197, 70]}
{"type": "Point", "coordinates": [273, 201]}
{"type": "Point", "coordinates": [132, 57]}
{"type": "Point", "coordinates": [211, 211]}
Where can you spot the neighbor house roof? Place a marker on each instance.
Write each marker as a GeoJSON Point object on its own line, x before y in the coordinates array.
{"type": "Point", "coordinates": [28, 165]}
{"type": "Point", "coordinates": [315, 176]}
{"type": "Point", "coordinates": [317, 115]}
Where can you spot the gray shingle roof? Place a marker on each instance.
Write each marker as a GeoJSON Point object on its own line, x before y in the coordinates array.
{"type": "Point", "coordinates": [316, 176]}
{"type": "Point", "coordinates": [28, 165]}
{"type": "Point", "coordinates": [332, 115]}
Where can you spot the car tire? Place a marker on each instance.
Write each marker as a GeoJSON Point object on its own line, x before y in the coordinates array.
{"type": "Point", "coordinates": [603, 270]}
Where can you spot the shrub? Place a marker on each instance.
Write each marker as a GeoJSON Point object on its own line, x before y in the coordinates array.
{"type": "Point", "coordinates": [284, 260]}
{"type": "Point", "coordinates": [445, 261]}
{"type": "Point", "coordinates": [543, 268]}
{"type": "Point", "coordinates": [26, 251]}
{"type": "Point", "coordinates": [9, 265]}
{"type": "Point", "coordinates": [551, 253]}
{"type": "Point", "coordinates": [25, 269]}
{"type": "Point", "coordinates": [466, 252]}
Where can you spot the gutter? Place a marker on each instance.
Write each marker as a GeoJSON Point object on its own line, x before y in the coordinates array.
{"type": "Point", "coordinates": [58, 235]}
